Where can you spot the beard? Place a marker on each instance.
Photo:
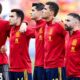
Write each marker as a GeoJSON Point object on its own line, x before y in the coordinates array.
{"type": "Point", "coordinates": [32, 18]}
{"type": "Point", "coordinates": [45, 17]}
{"type": "Point", "coordinates": [12, 24]}
{"type": "Point", "coordinates": [68, 28]}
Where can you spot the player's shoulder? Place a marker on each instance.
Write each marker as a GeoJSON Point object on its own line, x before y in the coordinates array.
{"type": "Point", "coordinates": [60, 24]}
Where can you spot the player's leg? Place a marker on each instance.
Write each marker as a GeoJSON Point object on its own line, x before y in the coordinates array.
{"type": "Point", "coordinates": [39, 73]}
{"type": "Point", "coordinates": [11, 75]}
{"type": "Point", "coordinates": [64, 76]}
{"type": "Point", "coordinates": [52, 74]}
{"type": "Point", "coordinates": [35, 74]}
{"type": "Point", "coordinates": [29, 76]}
{"type": "Point", "coordinates": [5, 72]}
{"type": "Point", "coordinates": [73, 78]}
{"type": "Point", "coordinates": [23, 76]}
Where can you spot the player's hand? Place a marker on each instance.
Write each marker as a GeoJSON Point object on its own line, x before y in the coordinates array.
{"type": "Point", "coordinates": [56, 20]}
{"type": "Point", "coordinates": [23, 27]}
{"type": "Point", "coordinates": [3, 49]}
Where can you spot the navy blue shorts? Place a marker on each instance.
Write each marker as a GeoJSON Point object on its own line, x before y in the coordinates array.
{"type": "Point", "coordinates": [39, 73]}
{"type": "Point", "coordinates": [56, 74]}
{"type": "Point", "coordinates": [20, 76]}
{"type": "Point", "coordinates": [73, 78]}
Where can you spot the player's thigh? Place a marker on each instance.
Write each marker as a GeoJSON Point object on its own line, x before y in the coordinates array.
{"type": "Point", "coordinates": [39, 73]}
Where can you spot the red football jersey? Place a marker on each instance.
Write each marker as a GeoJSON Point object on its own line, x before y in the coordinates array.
{"type": "Point", "coordinates": [4, 32]}
{"type": "Point", "coordinates": [73, 54]}
{"type": "Point", "coordinates": [19, 51]}
{"type": "Point", "coordinates": [54, 45]}
{"type": "Point", "coordinates": [39, 43]}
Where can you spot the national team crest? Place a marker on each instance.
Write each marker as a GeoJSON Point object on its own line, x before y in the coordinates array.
{"type": "Point", "coordinates": [17, 34]}
{"type": "Point", "coordinates": [50, 38]}
{"type": "Point", "coordinates": [55, 79]}
{"type": "Point", "coordinates": [41, 30]}
{"type": "Point", "coordinates": [16, 40]}
{"type": "Point", "coordinates": [40, 34]}
{"type": "Point", "coordinates": [73, 49]}
{"type": "Point", "coordinates": [74, 42]}
{"type": "Point", "coordinates": [50, 31]}
{"type": "Point", "coordinates": [40, 37]}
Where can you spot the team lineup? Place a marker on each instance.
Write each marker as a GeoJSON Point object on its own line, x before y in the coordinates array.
{"type": "Point", "coordinates": [57, 45]}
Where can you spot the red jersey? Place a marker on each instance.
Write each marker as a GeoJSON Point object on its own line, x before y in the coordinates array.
{"type": "Point", "coordinates": [39, 38]}
{"type": "Point", "coordinates": [73, 54]}
{"type": "Point", "coordinates": [4, 32]}
{"type": "Point", "coordinates": [19, 51]}
{"type": "Point", "coordinates": [54, 45]}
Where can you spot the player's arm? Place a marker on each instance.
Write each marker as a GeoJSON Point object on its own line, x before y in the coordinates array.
{"type": "Point", "coordinates": [3, 49]}
{"type": "Point", "coordinates": [61, 28]}
{"type": "Point", "coordinates": [23, 27]}
{"type": "Point", "coordinates": [30, 32]}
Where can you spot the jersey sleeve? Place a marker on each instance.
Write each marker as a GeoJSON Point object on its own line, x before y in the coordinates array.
{"type": "Point", "coordinates": [61, 30]}
{"type": "Point", "coordinates": [30, 32]}
{"type": "Point", "coordinates": [8, 27]}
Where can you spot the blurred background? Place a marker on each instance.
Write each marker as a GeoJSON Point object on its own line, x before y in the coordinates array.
{"type": "Point", "coordinates": [66, 6]}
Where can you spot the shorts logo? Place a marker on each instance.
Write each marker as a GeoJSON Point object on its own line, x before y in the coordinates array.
{"type": "Point", "coordinates": [17, 78]}
{"type": "Point", "coordinates": [55, 79]}
{"type": "Point", "coordinates": [20, 78]}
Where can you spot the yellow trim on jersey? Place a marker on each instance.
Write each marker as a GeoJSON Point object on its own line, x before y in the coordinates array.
{"type": "Point", "coordinates": [25, 75]}
{"type": "Point", "coordinates": [60, 73]}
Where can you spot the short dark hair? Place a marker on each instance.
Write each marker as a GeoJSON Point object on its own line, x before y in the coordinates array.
{"type": "Point", "coordinates": [39, 6]}
{"type": "Point", "coordinates": [75, 15]}
{"type": "Point", "coordinates": [0, 8]}
{"type": "Point", "coordinates": [53, 6]}
{"type": "Point", "coordinates": [19, 13]}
